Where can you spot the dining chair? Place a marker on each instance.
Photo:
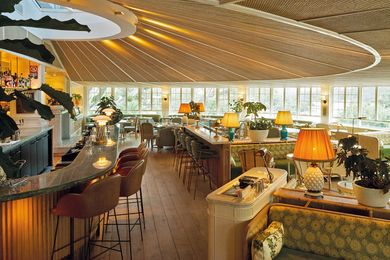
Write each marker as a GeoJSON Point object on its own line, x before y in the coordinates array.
{"type": "Point", "coordinates": [147, 134]}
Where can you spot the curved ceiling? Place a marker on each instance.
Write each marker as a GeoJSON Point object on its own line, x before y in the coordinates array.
{"type": "Point", "coordinates": [188, 41]}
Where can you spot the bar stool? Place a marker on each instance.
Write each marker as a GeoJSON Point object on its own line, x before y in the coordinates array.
{"type": "Point", "coordinates": [133, 150]}
{"type": "Point", "coordinates": [201, 156]}
{"type": "Point", "coordinates": [97, 198]}
{"type": "Point", "coordinates": [131, 185]}
{"type": "Point", "coordinates": [184, 157]}
{"type": "Point", "coordinates": [130, 159]}
{"type": "Point", "coordinates": [178, 148]}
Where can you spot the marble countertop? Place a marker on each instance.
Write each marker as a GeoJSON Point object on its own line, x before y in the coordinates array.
{"type": "Point", "coordinates": [84, 168]}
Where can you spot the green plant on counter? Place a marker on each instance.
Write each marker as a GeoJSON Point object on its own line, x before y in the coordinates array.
{"type": "Point", "coordinates": [254, 108]}
{"type": "Point", "coordinates": [373, 174]}
{"type": "Point", "coordinates": [109, 102]}
{"type": "Point", "coordinates": [237, 106]}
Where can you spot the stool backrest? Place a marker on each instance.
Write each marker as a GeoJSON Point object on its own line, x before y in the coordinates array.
{"type": "Point", "coordinates": [188, 140]}
{"type": "Point", "coordinates": [251, 158]}
{"type": "Point", "coordinates": [98, 198]}
{"type": "Point", "coordinates": [131, 183]}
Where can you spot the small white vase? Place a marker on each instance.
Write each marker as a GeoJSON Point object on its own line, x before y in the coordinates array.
{"type": "Point", "coordinates": [258, 135]}
{"type": "Point", "coordinates": [370, 197]}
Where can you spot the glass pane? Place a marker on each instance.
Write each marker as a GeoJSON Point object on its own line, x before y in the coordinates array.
{"type": "Point", "coordinates": [175, 100]}
{"type": "Point", "coordinates": [132, 99]}
{"type": "Point", "coordinates": [120, 98]}
{"type": "Point", "coordinates": [384, 103]}
{"type": "Point", "coordinates": [198, 95]}
{"type": "Point", "coordinates": [157, 99]}
{"type": "Point", "coordinates": [338, 102]}
{"type": "Point", "coordinates": [304, 101]}
{"type": "Point", "coordinates": [211, 100]}
{"type": "Point", "coordinates": [146, 99]}
{"type": "Point", "coordinates": [186, 95]}
{"type": "Point", "coordinates": [223, 100]}
{"type": "Point", "coordinates": [93, 99]}
{"type": "Point", "coordinates": [291, 100]}
{"type": "Point", "coordinates": [315, 101]}
{"type": "Point", "coordinates": [277, 99]}
{"type": "Point", "coordinates": [351, 98]}
{"type": "Point", "coordinates": [265, 98]}
{"type": "Point", "coordinates": [368, 102]}
{"type": "Point", "coordinates": [253, 94]}
{"type": "Point", "coordinates": [106, 92]}
{"type": "Point", "coordinates": [233, 94]}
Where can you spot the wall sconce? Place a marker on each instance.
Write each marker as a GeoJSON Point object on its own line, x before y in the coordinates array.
{"type": "Point", "coordinates": [165, 98]}
{"type": "Point", "coordinates": [324, 99]}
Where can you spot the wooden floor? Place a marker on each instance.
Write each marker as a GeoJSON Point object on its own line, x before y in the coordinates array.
{"type": "Point", "coordinates": [176, 224]}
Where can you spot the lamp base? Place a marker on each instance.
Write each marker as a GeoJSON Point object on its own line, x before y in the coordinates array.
{"type": "Point", "coordinates": [184, 120]}
{"type": "Point", "coordinates": [283, 133]}
{"type": "Point", "coordinates": [314, 194]}
{"type": "Point", "coordinates": [231, 134]}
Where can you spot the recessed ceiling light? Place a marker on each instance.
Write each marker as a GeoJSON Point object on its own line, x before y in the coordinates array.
{"type": "Point", "coordinates": [119, 13]}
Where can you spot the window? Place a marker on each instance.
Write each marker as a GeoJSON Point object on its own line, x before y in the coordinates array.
{"type": "Point", "coordinates": [120, 98]}
{"type": "Point", "coordinates": [315, 101]}
{"type": "Point", "coordinates": [265, 97]}
{"type": "Point", "coordinates": [146, 99]}
{"type": "Point", "coordinates": [291, 102]}
{"type": "Point", "coordinates": [233, 95]}
{"type": "Point", "coordinates": [223, 100]}
{"type": "Point", "coordinates": [338, 102]}
{"type": "Point", "coordinates": [186, 95]}
{"type": "Point", "coordinates": [277, 99]}
{"type": "Point", "coordinates": [132, 98]}
{"type": "Point", "coordinates": [351, 102]}
{"type": "Point", "coordinates": [198, 95]}
{"type": "Point", "coordinates": [156, 99]}
{"type": "Point", "coordinates": [304, 101]}
{"type": "Point", "coordinates": [94, 96]}
{"type": "Point", "coordinates": [211, 100]}
{"type": "Point", "coordinates": [368, 102]}
{"type": "Point", "coordinates": [175, 100]}
{"type": "Point", "coordinates": [384, 103]}
{"type": "Point", "coordinates": [253, 94]}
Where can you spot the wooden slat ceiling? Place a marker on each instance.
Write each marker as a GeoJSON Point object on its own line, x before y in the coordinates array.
{"type": "Point", "coordinates": [185, 41]}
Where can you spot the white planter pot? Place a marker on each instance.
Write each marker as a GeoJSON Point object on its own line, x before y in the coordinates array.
{"type": "Point", "coordinates": [258, 135]}
{"type": "Point", "coordinates": [371, 197]}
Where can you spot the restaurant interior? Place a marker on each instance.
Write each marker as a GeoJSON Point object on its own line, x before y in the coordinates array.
{"type": "Point", "coordinates": [194, 129]}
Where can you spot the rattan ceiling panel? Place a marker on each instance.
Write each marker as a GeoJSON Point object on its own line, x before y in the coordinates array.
{"type": "Point", "coordinates": [184, 41]}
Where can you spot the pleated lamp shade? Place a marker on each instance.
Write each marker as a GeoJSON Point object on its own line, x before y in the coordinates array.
{"type": "Point", "coordinates": [283, 118]}
{"type": "Point", "coordinates": [201, 107]}
{"type": "Point", "coordinates": [230, 120]}
{"type": "Point", "coordinates": [313, 145]}
{"type": "Point", "coordinates": [185, 108]}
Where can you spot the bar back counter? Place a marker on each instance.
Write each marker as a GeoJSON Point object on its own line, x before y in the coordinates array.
{"type": "Point", "coordinates": [26, 223]}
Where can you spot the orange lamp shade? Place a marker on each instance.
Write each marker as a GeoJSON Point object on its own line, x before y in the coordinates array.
{"type": "Point", "coordinates": [185, 108]}
{"type": "Point", "coordinates": [313, 144]}
{"type": "Point", "coordinates": [201, 107]}
{"type": "Point", "coordinates": [283, 118]}
{"type": "Point", "coordinates": [230, 120]}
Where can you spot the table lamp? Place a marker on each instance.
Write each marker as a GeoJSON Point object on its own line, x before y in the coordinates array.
{"type": "Point", "coordinates": [201, 107]}
{"type": "Point", "coordinates": [108, 111]}
{"type": "Point", "coordinates": [230, 120]}
{"type": "Point", "coordinates": [283, 118]}
{"type": "Point", "coordinates": [313, 145]}
{"type": "Point", "coordinates": [101, 121]}
{"type": "Point", "coordinates": [186, 109]}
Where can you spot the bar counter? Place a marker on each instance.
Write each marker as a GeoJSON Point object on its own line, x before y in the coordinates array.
{"type": "Point", "coordinates": [27, 224]}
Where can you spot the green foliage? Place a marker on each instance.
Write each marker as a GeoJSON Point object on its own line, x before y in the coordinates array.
{"type": "Point", "coordinates": [10, 168]}
{"type": "Point", "coordinates": [45, 22]}
{"type": "Point", "coordinates": [7, 125]}
{"type": "Point", "coordinates": [36, 51]}
{"type": "Point", "coordinates": [4, 97]}
{"type": "Point", "coordinates": [237, 106]}
{"type": "Point", "coordinates": [260, 124]}
{"type": "Point", "coordinates": [8, 6]}
{"type": "Point", "coordinates": [31, 105]}
{"type": "Point", "coordinates": [106, 102]}
{"type": "Point", "coordinates": [195, 110]}
{"type": "Point", "coordinates": [257, 124]}
{"type": "Point", "coordinates": [374, 174]}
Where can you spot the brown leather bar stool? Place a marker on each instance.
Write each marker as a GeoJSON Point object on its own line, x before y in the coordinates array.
{"type": "Point", "coordinates": [97, 199]}
{"type": "Point", "coordinates": [133, 150]}
{"type": "Point", "coordinates": [131, 185]}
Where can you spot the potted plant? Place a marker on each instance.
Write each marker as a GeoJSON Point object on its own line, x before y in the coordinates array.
{"type": "Point", "coordinates": [238, 107]}
{"type": "Point", "coordinates": [109, 102]}
{"type": "Point", "coordinates": [77, 99]}
{"type": "Point", "coordinates": [258, 127]}
{"type": "Point", "coordinates": [371, 177]}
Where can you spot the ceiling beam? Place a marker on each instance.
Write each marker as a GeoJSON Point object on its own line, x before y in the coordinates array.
{"type": "Point", "coordinates": [222, 2]}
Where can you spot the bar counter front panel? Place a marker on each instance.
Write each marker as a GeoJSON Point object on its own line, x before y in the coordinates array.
{"type": "Point", "coordinates": [27, 225]}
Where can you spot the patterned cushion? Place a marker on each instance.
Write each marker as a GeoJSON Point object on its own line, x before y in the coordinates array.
{"type": "Point", "coordinates": [268, 243]}
{"type": "Point", "coordinates": [332, 234]}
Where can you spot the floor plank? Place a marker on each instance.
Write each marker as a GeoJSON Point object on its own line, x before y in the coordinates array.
{"type": "Point", "coordinates": [176, 224]}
